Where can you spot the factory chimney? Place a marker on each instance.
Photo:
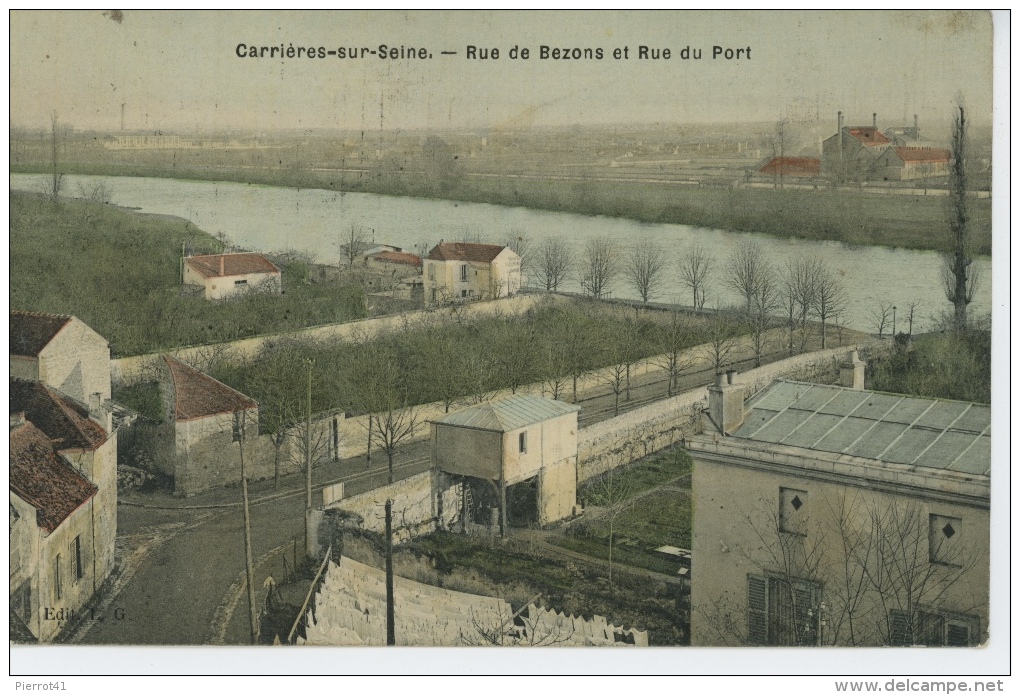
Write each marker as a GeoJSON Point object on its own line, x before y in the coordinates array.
{"type": "Point", "coordinates": [874, 120]}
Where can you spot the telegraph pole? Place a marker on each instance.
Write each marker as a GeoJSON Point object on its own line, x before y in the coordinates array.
{"type": "Point", "coordinates": [308, 457]}
{"type": "Point", "coordinates": [391, 637]}
{"type": "Point", "coordinates": [249, 563]}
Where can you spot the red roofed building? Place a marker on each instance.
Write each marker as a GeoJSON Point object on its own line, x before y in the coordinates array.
{"type": "Point", "coordinates": [399, 262]}
{"type": "Point", "coordinates": [799, 167]}
{"type": "Point", "coordinates": [63, 508]}
{"type": "Point", "coordinates": [466, 271]}
{"type": "Point", "coordinates": [905, 163]}
{"type": "Point", "coordinates": [229, 274]}
{"type": "Point", "coordinates": [853, 152]}
{"type": "Point", "coordinates": [60, 351]}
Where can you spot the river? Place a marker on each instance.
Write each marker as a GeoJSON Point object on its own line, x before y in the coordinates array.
{"type": "Point", "coordinates": [311, 220]}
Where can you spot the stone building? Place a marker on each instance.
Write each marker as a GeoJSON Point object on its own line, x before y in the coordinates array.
{"type": "Point", "coordinates": [464, 272]}
{"type": "Point", "coordinates": [516, 458]}
{"type": "Point", "coordinates": [62, 352]}
{"type": "Point", "coordinates": [908, 163]}
{"type": "Point", "coordinates": [226, 275]}
{"type": "Point", "coordinates": [833, 515]}
{"type": "Point", "coordinates": [63, 506]}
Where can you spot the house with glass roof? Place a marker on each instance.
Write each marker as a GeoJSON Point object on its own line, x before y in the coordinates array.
{"type": "Point", "coordinates": [832, 515]}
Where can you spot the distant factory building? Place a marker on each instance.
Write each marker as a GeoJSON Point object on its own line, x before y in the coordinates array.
{"type": "Point", "coordinates": [226, 275]}
{"type": "Point", "coordinates": [796, 167]}
{"type": "Point", "coordinates": [905, 163]}
{"type": "Point", "coordinates": [864, 153]}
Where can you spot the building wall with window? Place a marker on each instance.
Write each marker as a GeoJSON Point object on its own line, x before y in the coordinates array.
{"type": "Point", "coordinates": [797, 545]}
{"type": "Point", "coordinates": [465, 272]}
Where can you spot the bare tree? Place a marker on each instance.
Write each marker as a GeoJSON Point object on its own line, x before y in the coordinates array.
{"type": "Point", "coordinates": [520, 243]}
{"type": "Point", "coordinates": [721, 341]}
{"type": "Point", "coordinates": [613, 494]}
{"type": "Point", "coordinates": [554, 262]}
{"type": "Point", "coordinates": [764, 304]}
{"type": "Point", "coordinates": [55, 157]}
{"type": "Point", "coordinates": [599, 266]}
{"type": "Point", "coordinates": [744, 270]}
{"type": "Point", "coordinates": [674, 355]}
{"type": "Point", "coordinates": [394, 425]}
{"type": "Point", "coordinates": [800, 281]}
{"type": "Point", "coordinates": [644, 267]}
{"type": "Point", "coordinates": [881, 316]}
{"type": "Point", "coordinates": [959, 276]}
{"type": "Point", "coordinates": [829, 295]}
{"type": "Point", "coordinates": [94, 194]}
{"type": "Point", "coordinates": [351, 243]}
{"type": "Point", "coordinates": [695, 267]}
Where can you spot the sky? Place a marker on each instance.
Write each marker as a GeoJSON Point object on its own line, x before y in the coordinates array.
{"type": "Point", "coordinates": [178, 71]}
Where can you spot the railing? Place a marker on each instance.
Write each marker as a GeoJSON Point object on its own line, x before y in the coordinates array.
{"type": "Point", "coordinates": [308, 597]}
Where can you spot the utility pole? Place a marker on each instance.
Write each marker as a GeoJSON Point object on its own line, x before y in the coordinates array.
{"type": "Point", "coordinates": [391, 637]}
{"type": "Point", "coordinates": [308, 457]}
{"type": "Point", "coordinates": [249, 563]}
{"type": "Point", "coordinates": [53, 152]}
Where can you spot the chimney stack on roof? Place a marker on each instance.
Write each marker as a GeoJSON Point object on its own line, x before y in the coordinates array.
{"type": "Point", "coordinates": [852, 376]}
{"type": "Point", "coordinates": [725, 404]}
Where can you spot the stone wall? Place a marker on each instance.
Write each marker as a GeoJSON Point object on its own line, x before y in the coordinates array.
{"type": "Point", "coordinates": [128, 370]}
{"type": "Point", "coordinates": [637, 433]}
{"type": "Point", "coordinates": [423, 503]}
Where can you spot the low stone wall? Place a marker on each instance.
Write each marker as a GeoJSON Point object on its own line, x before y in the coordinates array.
{"type": "Point", "coordinates": [127, 370]}
{"type": "Point", "coordinates": [637, 433]}
{"type": "Point", "coordinates": [421, 504]}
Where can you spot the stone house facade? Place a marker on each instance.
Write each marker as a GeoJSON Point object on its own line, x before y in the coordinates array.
{"type": "Point", "coordinates": [465, 272]}
{"type": "Point", "coordinates": [60, 351]}
{"type": "Point", "coordinates": [225, 275]}
{"type": "Point", "coordinates": [837, 516]}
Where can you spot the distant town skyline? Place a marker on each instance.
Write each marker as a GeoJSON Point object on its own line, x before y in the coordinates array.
{"type": "Point", "coordinates": [184, 71]}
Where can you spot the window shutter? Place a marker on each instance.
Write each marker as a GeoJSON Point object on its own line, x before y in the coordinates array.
{"type": "Point", "coordinates": [958, 635]}
{"type": "Point", "coordinates": [757, 610]}
{"type": "Point", "coordinates": [899, 628]}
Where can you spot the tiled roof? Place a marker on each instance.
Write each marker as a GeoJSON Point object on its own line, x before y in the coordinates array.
{"type": "Point", "coordinates": [923, 154]}
{"type": "Point", "coordinates": [199, 395]}
{"type": "Point", "coordinates": [869, 135]}
{"type": "Point", "coordinates": [63, 420]}
{"type": "Point", "coordinates": [792, 166]}
{"type": "Point", "coordinates": [509, 414]}
{"type": "Point", "coordinates": [480, 253]}
{"type": "Point", "coordinates": [44, 480]}
{"type": "Point", "coordinates": [229, 264]}
{"type": "Point", "coordinates": [397, 257]}
{"type": "Point", "coordinates": [31, 332]}
{"type": "Point", "coordinates": [928, 432]}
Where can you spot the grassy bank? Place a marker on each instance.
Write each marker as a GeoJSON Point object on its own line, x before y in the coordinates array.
{"type": "Point", "coordinates": [915, 222]}
{"type": "Point", "coordinates": [119, 272]}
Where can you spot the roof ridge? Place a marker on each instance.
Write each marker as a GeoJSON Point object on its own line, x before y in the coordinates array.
{"type": "Point", "coordinates": [43, 314]}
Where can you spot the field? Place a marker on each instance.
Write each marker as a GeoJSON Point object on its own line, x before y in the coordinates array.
{"type": "Point", "coordinates": [119, 272]}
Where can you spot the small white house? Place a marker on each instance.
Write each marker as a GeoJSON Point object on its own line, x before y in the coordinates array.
{"type": "Point", "coordinates": [517, 455]}
{"type": "Point", "coordinates": [464, 272]}
{"type": "Point", "coordinates": [229, 274]}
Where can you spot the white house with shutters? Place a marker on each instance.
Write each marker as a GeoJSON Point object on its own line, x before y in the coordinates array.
{"type": "Point", "coordinates": [828, 515]}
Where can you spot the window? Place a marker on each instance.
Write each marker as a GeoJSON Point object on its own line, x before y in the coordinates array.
{"type": "Point", "coordinates": [932, 628]}
{"type": "Point", "coordinates": [463, 273]}
{"type": "Point", "coordinates": [944, 539]}
{"type": "Point", "coordinates": [464, 294]}
{"type": "Point", "coordinates": [432, 275]}
{"type": "Point", "coordinates": [522, 442]}
{"type": "Point", "coordinates": [781, 612]}
{"type": "Point", "coordinates": [57, 592]}
{"type": "Point", "coordinates": [77, 571]}
{"type": "Point", "coordinates": [240, 282]}
{"type": "Point", "coordinates": [793, 511]}
{"type": "Point", "coordinates": [433, 293]}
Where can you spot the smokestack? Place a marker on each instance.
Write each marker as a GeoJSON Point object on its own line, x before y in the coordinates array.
{"type": "Point", "coordinates": [874, 120]}
{"type": "Point", "coordinates": [917, 133]}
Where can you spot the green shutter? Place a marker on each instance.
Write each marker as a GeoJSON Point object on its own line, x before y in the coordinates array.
{"type": "Point", "coordinates": [757, 610]}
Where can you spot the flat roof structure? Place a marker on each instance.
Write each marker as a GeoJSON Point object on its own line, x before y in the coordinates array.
{"type": "Point", "coordinates": [892, 428]}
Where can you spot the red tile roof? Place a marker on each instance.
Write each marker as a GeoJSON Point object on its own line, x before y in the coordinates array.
{"type": "Point", "coordinates": [230, 264]}
{"type": "Point", "coordinates": [199, 395]}
{"type": "Point", "coordinates": [63, 420]}
{"type": "Point", "coordinates": [923, 154]}
{"type": "Point", "coordinates": [792, 166]}
{"type": "Point", "coordinates": [397, 257]}
{"type": "Point", "coordinates": [868, 135]}
{"type": "Point", "coordinates": [31, 332]}
{"type": "Point", "coordinates": [480, 253]}
{"type": "Point", "coordinates": [43, 479]}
